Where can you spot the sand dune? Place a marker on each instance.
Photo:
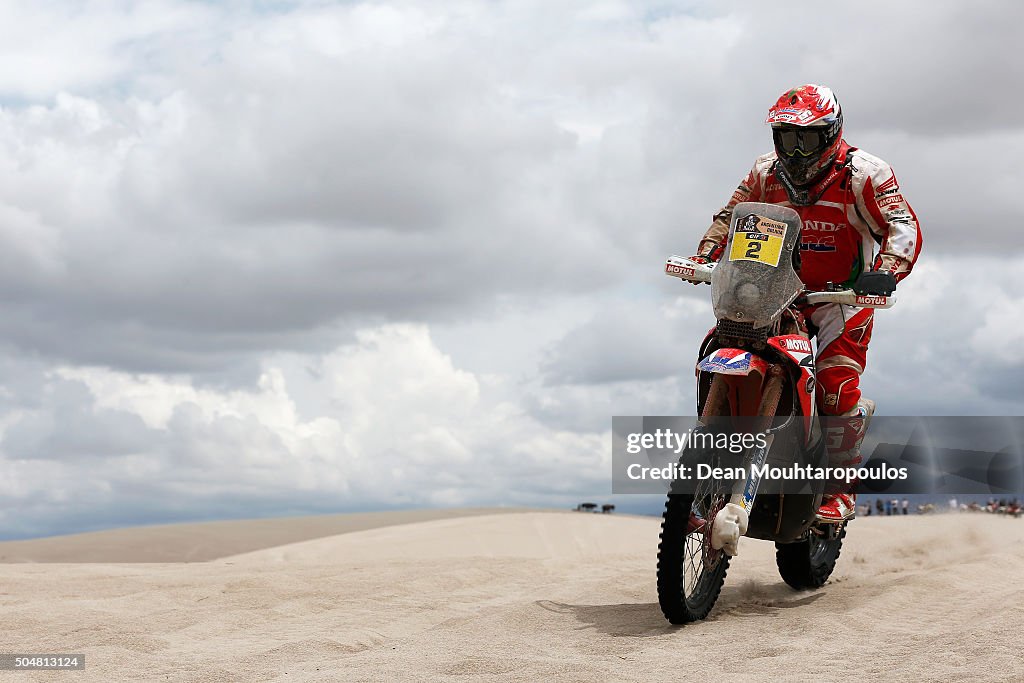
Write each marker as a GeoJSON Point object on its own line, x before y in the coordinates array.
{"type": "Point", "coordinates": [527, 597]}
{"type": "Point", "coordinates": [200, 542]}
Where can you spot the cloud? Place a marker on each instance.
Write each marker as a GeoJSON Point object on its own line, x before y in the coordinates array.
{"type": "Point", "coordinates": [400, 425]}
{"type": "Point", "coordinates": [631, 341]}
{"type": "Point", "coordinates": [948, 347]}
{"type": "Point", "coordinates": [246, 179]}
{"type": "Point", "coordinates": [76, 45]}
{"type": "Point", "coordinates": [238, 235]}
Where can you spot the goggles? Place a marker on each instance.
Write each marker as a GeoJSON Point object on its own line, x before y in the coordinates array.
{"type": "Point", "coordinates": [802, 141]}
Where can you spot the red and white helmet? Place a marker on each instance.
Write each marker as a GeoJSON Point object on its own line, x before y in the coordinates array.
{"type": "Point", "coordinates": [807, 126]}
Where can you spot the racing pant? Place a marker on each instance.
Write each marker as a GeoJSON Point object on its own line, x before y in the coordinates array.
{"type": "Point", "coordinates": [843, 334]}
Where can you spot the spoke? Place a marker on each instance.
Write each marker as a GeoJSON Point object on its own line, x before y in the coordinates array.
{"type": "Point", "coordinates": [696, 567]}
{"type": "Point", "coordinates": [700, 560]}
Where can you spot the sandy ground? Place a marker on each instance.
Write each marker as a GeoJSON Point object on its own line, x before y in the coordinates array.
{"type": "Point", "coordinates": [205, 541]}
{"type": "Point", "coordinates": [527, 597]}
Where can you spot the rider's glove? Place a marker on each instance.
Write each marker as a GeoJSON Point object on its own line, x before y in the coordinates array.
{"type": "Point", "coordinates": [703, 260]}
{"type": "Point", "coordinates": [876, 283]}
{"type": "Point", "coordinates": [708, 250]}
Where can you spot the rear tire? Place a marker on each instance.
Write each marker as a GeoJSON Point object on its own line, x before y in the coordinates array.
{"type": "Point", "coordinates": [807, 564]}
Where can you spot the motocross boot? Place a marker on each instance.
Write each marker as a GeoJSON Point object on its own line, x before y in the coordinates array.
{"type": "Point", "coordinates": [839, 503]}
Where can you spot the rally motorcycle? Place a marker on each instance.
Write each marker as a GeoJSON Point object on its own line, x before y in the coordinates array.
{"type": "Point", "coordinates": [757, 364]}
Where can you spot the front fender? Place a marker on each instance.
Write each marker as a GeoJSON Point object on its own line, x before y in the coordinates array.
{"type": "Point", "coordinates": [728, 361]}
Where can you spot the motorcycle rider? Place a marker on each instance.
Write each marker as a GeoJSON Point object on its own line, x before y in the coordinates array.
{"type": "Point", "coordinates": [850, 203]}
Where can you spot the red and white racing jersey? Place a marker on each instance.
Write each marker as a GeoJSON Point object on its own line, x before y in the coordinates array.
{"type": "Point", "coordinates": [860, 219]}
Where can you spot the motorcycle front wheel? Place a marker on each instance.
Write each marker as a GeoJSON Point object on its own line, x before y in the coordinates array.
{"type": "Point", "coordinates": [690, 571]}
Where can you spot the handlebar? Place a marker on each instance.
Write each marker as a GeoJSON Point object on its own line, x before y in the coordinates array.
{"type": "Point", "coordinates": [691, 271]}
{"type": "Point", "coordinates": [685, 269]}
{"type": "Point", "coordinates": [850, 298]}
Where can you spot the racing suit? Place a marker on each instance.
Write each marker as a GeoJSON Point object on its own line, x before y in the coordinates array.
{"type": "Point", "coordinates": [855, 208]}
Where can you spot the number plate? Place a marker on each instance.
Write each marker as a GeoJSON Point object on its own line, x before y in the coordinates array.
{"type": "Point", "coordinates": [759, 239]}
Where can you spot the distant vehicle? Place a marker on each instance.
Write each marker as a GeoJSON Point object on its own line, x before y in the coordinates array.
{"type": "Point", "coordinates": [586, 507]}
{"type": "Point", "coordinates": [607, 509]}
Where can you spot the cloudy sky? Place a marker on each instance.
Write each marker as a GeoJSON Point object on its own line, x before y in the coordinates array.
{"type": "Point", "coordinates": [263, 258]}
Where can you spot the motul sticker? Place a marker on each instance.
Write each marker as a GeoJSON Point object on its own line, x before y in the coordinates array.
{"type": "Point", "coordinates": [871, 300]}
{"type": "Point", "coordinates": [797, 345]}
{"type": "Point", "coordinates": [673, 269]}
{"type": "Point", "coordinates": [891, 199]}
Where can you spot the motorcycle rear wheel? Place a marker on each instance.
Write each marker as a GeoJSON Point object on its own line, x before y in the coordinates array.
{"type": "Point", "coordinates": [807, 564]}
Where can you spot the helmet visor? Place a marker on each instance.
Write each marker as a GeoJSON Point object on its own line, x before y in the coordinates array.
{"type": "Point", "coordinates": [799, 141]}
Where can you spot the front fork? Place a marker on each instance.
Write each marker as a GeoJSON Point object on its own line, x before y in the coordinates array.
{"type": "Point", "coordinates": [731, 521]}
